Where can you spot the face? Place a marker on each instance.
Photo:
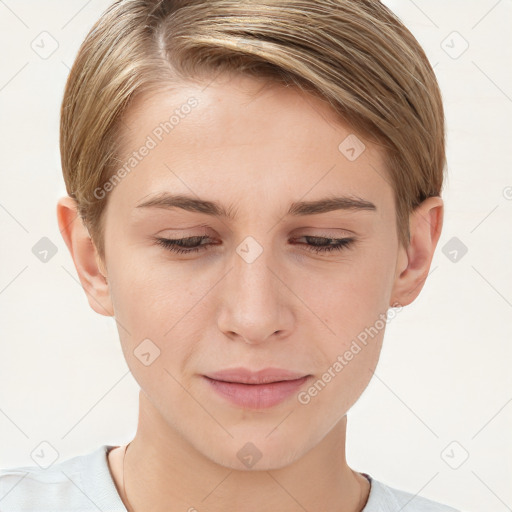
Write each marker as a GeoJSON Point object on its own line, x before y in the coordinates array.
{"type": "Point", "coordinates": [272, 283]}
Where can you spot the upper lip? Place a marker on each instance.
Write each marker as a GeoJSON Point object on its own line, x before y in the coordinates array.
{"type": "Point", "coordinates": [246, 376]}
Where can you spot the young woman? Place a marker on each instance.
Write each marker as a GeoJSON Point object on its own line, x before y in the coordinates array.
{"type": "Point", "coordinates": [251, 187]}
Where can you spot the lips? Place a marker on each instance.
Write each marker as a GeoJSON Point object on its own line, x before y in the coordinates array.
{"type": "Point", "coordinates": [246, 376]}
{"type": "Point", "coordinates": [255, 390]}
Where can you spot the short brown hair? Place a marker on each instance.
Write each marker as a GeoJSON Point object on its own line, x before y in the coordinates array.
{"type": "Point", "coordinates": [355, 54]}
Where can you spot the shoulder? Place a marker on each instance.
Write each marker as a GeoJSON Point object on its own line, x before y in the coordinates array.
{"type": "Point", "coordinates": [80, 483]}
{"type": "Point", "coordinates": [384, 498]}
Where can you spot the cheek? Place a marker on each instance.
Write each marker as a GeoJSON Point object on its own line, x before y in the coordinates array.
{"type": "Point", "coordinates": [348, 340]}
{"type": "Point", "coordinates": [143, 288]}
{"type": "Point", "coordinates": [351, 306]}
{"type": "Point", "coordinates": [160, 302]}
{"type": "Point", "coordinates": [351, 298]}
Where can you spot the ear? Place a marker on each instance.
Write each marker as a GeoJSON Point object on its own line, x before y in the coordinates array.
{"type": "Point", "coordinates": [91, 270]}
{"type": "Point", "coordinates": [413, 263]}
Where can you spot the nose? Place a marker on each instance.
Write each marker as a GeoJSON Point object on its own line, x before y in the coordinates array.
{"type": "Point", "coordinates": [255, 305]}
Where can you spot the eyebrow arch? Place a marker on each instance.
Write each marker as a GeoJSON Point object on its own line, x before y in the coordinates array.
{"type": "Point", "coordinates": [298, 208]}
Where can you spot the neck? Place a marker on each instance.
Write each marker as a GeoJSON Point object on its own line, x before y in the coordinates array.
{"type": "Point", "coordinates": [162, 470]}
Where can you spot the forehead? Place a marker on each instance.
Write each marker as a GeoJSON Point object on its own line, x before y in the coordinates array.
{"type": "Point", "coordinates": [222, 136]}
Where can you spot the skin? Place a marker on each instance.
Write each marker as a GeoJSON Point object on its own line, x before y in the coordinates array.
{"type": "Point", "coordinates": [258, 149]}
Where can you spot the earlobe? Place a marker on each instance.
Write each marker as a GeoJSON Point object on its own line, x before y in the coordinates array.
{"type": "Point", "coordinates": [425, 223]}
{"type": "Point", "coordinates": [85, 256]}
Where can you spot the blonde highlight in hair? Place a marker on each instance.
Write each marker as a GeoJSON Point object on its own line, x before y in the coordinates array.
{"type": "Point", "coordinates": [354, 54]}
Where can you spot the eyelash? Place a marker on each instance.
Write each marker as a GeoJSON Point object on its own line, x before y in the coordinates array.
{"type": "Point", "coordinates": [174, 244]}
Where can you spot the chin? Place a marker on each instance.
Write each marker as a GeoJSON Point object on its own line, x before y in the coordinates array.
{"type": "Point", "coordinates": [255, 450]}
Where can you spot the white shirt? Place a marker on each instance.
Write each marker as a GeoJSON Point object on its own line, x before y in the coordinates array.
{"type": "Point", "coordinates": [84, 484]}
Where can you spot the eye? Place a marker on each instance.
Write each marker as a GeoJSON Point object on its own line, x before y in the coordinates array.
{"type": "Point", "coordinates": [321, 244]}
{"type": "Point", "coordinates": [193, 244]}
{"type": "Point", "coordinates": [183, 245]}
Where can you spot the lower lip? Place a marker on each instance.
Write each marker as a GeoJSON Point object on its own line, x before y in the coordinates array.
{"type": "Point", "coordinates": [257, 396]}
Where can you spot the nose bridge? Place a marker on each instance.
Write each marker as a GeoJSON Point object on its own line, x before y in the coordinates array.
{"type": "Point", "coordinates": [252, 303]}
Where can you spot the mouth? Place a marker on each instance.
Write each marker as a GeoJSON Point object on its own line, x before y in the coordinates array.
{"type": "Point", "coordinates": [256, 390]}
{"type": "Point", "coordinates": [264, 376]}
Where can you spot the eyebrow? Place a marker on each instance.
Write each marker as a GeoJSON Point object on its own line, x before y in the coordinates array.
{"type": "Point", "coordinates": [298, 208]}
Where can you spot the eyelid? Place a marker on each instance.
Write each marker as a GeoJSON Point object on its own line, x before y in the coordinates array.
{"type": "Point", "coordinates": [178, 245]}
